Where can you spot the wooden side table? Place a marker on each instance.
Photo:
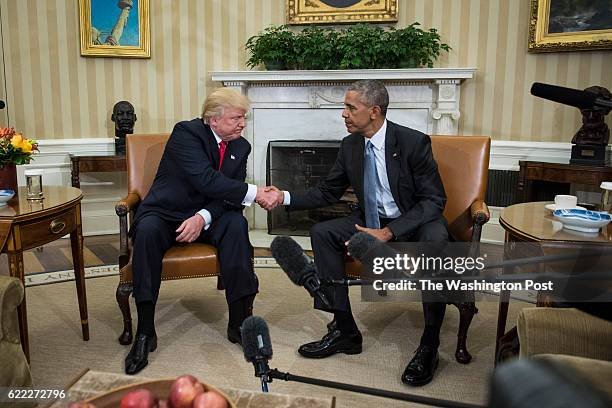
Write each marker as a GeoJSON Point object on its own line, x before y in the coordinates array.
{"type": "Point", "coordinates": [533, 171]}
{"type": "Point", "coordinates": [29, 224]}
{"type": "Point", "coordinates": [533, 227]}
{"type": "Point", "coordinates": [94, 163]}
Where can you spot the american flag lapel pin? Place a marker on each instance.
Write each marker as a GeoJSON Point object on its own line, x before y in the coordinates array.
{"type": "Point", "coordinates": [232, 157]}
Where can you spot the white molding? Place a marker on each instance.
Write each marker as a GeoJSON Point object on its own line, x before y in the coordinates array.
{"type": "Point", "coordinates": [233, 78]}
{"type": "Point", "coordinates": [505, 155]}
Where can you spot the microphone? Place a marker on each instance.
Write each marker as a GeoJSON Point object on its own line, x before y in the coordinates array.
{"type": "Point", "coordinates": [572, 97]}
{"type": "Point", "coordinates": [298, 266]}
{"type": "Point", "coordinates": [257, 347]}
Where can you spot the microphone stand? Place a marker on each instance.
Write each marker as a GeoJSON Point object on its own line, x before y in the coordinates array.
{"type": "Point", "coordinates": [368, 390]}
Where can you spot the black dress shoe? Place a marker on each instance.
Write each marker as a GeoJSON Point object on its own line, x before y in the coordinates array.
{"type": "Point", "coordinates": [332, 343]}
{"type": "Point", "coordinates": [234, 335]}
{"type": "Point", "coordinates": [137, 358]}
{"type": "Point", "coordinates": [421, 368]}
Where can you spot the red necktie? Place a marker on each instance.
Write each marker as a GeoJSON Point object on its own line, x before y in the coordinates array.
{"type": "Point", "coordinates": [222, 147]}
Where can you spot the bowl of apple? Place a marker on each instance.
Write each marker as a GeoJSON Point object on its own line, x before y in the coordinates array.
{"type": "Point", "coordinates": [183, 392]}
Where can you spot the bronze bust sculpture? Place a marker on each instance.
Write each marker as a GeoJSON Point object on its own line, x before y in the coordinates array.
{"type": "Point", "coordinates": [589, 143]}
{"type": "Point", "coordinates": [124, 118]}
{"type": "Point", "coordinates": [594, 130]}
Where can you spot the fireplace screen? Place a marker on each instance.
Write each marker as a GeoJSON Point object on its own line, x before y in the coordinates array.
{"type": "Point", "coordinates": [297, 165]}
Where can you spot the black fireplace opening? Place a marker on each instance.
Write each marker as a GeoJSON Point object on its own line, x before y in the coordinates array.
{"type": "Point", "coordinates": [296, 165]}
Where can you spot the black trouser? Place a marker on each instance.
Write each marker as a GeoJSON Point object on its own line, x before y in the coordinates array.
{"type": "Point", "coordinates": [153, 236]}
{"type": "Point", "coordinates": [328, 243]}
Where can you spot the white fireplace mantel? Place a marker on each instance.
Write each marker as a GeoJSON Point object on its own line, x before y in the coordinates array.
{"type": "Point", "coordinates": [307, 105]}
{"type": "Point", "coordinates": [430, 74]}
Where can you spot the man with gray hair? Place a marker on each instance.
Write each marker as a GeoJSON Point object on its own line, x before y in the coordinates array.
{"type": "Point", "coordinates": [401, 198]}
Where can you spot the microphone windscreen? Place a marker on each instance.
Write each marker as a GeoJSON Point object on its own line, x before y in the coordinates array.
{"type": "Point", "coordinates": [360, 244]}
{"type": "Point", "coordinates": [256, 339]}
{"type": "Point", "coordinates": [567, 96]}
{"type": "Point", "coordinates": [291, 258]}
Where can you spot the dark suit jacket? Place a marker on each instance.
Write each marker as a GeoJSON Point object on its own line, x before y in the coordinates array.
{"type": "Point", "coordinates": [412, 171]}
{"type": "Point", "coordinates": [187, 179]}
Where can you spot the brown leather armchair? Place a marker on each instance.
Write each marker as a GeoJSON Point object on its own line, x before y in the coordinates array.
{"type": "Point", "coordinates": [182, 261]}
{"type": "Point", "coordinates": [463, 163]}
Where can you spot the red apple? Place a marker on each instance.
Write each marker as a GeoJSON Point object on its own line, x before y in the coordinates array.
{"type": "Point", "coordinates": [184, 390]}
{"type": "Point", "coordinates": [139, 398]}
{"type": "Point", "coordinates": [209, 399]}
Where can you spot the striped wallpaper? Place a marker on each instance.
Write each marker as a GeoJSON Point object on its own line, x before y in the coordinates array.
{"type": "Point", "coordinates": [53, 93]}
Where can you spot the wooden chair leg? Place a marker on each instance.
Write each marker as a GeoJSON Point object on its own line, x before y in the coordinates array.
{"type": "Point", "coordinates": [467, 310]}
{"type": "Point", "coordinates": [123, 300]}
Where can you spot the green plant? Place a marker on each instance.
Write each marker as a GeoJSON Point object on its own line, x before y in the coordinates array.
{"type": "Point", "coordinates": [275, 47]}
{"type": "Point", "coordinates": [317, 48]}
{"type": "Point", "coordinates": [360, 46]}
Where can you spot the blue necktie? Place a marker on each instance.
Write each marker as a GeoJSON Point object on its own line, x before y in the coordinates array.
{"type": "Point", "coordinates": [370, 185]}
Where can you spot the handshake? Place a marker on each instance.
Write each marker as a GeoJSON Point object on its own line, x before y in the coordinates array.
{"type": "Point", "coordinates": [269, 197]}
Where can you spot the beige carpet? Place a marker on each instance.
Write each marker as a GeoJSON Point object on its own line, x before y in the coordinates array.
{"type": "Point", "coordinates": [191, 320]}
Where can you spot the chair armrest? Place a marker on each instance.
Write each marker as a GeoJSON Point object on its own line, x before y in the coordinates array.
{"type": "Point", "coordinates": [480, 212]}
{"type": "Point", "coordinates": [127, 204]}
{"type": "Point", "coordinates": [11, 295]}
{"type": "Point", "coordinates": [543, 330]}
{"type": "Point", "coordinates": [122, 208]}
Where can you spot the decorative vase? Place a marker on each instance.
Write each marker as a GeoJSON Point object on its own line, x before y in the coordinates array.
{"type": "Point", "coordinates": [8, 177]}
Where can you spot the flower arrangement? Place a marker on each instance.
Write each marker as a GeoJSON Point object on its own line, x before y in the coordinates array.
{"type": "Point", "coordinates": [14, 148]}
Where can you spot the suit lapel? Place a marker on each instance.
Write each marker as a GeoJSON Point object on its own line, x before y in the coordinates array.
{"type": "Point", "coordinates": [392, 161]}
{"type": "Point", "coordinates": [213, 147]}
{"type": "Point", "coordinates": [228, 163]}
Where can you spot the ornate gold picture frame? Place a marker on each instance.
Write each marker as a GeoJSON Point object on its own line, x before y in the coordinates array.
{"type": "Point", "coordinates": [340, 11]}
{"type": "Point", "coordinates": [115, 28]}
{"type": "Point", "coordinates": [569, 25]}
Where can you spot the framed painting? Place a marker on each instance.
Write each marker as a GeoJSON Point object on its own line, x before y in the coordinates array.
{"type": "Point", "coordinates": [570, 25]}
{"type": "Point", "coordinates": [115, 28]}
{"type": "Point", "coordinates": [341, 11]}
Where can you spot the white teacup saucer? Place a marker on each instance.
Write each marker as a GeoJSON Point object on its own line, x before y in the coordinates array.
{"type": "Point", "coordinates": [553, 207]}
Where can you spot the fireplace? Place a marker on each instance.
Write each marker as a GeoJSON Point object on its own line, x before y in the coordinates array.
{"type": "Point", "coordinates": [297, 165]}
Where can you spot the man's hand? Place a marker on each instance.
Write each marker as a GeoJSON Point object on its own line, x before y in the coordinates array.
{"type": "Point", "coordinates": [269, 197]}
{"type": "Point", "coordinates": [280, 199]}
{"type": "Point", "coordinates": [384, 234]}
{"type": "Point", "coordinates": [190, 229]}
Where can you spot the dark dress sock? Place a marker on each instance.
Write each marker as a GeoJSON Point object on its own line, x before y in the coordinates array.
{"type": "Point", "coordinates": [236, 313]}
{"type": "Point", "coordinates": [434, 316]}
{"type": "Point", "coordinates": [346, 322]}
{"type": "Point", "coordinates": [146, 318]}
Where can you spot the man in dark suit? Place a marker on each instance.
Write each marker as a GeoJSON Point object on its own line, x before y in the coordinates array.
{"type": "Point", "coordinates": [401, 198]}
{"type": "Point", "coordinates": [198, 194]}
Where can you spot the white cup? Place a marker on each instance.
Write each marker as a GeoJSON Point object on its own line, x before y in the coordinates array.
{"type": "Point", "coordinates": [565, 201]}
